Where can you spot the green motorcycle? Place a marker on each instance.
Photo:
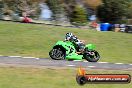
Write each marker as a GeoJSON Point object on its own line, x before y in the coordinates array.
{"type": "Point", "coordinates": [67, 50]}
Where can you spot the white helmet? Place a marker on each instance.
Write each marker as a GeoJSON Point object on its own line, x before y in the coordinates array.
{"type": "Point", "coordinates": [69, 34]}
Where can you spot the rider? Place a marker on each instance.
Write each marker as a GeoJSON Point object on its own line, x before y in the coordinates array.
{"type": "Point", "coordinates": [68, 36]}
{"type": "Point", "coordinates": [73, 38]}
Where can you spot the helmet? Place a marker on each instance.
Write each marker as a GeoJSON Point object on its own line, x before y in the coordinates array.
{"type": "Point", "coordinates": [69, 34]}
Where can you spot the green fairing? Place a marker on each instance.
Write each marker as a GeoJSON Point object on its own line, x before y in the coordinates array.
{"type": "Point", "coordinates": [68, 50]}
{"type": "Point", "coordinates": [90, 46]}
{"type": "Point", "coordinates": [74, 57]}
{"type": "Point", "coordinates": [68, 46]}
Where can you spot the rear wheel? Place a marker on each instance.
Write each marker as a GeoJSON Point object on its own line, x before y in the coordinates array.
{"type": "Point", "coordinates": [57, 53]}
{"type": "Point", "coordinates": [91, 56]}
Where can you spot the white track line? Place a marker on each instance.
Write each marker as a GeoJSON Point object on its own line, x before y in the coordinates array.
{"type": "Point", "coordinates": [67, 65]}
{"type": "Point", "coordinates": [118, 63]}
{"type": "Point", "coordinates": [28, 57]}
{"type": "Point", "coordinates": [77, 60]}
{"type": "Point", "coordinates": [85, 61]}
{"type": "Point", "coordinates": [91, 66]}
{"type": "Point", "coordinates": [14, 56]}
{"type": "Point", "coordinates": [103, 62]}
{"type": "Point", "coordinates": [37, 58]}
{"type": "Point", "coordinates": [70, 65]}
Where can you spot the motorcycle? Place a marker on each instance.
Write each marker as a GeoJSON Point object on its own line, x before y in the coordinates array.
{"type": "Point", "coordinates": [68, 50]}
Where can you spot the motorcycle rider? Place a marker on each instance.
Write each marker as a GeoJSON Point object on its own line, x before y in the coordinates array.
{"type": "Point", "coordinates": [68, 36]}
{"type": "Point", "coordinates": [73, 38]}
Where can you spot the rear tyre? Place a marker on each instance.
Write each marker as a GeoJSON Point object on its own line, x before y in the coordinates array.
{"type": "Point", "coordinates": [91, 56]}
{"type": "Point", "coordinates": [57, 53]}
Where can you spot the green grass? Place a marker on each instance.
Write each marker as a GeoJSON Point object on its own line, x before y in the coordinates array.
{"type": "Point", "coordinates": [11, 77]}
{"type": "Point", "coordinates": [37, 40]}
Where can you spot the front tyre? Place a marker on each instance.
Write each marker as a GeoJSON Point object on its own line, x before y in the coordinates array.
{"type": "Point", "coordinates": [57, 53]}
{"type": "Point", "coordinates": [91, 56]}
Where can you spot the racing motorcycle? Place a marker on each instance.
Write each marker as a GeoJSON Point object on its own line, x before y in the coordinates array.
{"type": "Point", "coordinates": [68, 50]}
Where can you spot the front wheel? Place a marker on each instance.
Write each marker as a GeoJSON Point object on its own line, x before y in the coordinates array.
{"type": "Point", "coordinates": [57, 54]}
{"type": "Point", "coordinates": [91, 56]}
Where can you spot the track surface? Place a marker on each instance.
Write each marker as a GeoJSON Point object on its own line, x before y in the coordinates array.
{"type": "Point", "coordinates": [31, 61]}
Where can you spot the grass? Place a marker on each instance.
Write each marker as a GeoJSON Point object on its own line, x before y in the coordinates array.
{"type": "Point", "coordinates": [50, 78]}
{"type": "Point", "coordinates": [37, 40]}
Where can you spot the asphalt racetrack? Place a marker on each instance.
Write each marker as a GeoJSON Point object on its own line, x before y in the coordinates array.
{"type": "Point", "coordinates": [41, 62]}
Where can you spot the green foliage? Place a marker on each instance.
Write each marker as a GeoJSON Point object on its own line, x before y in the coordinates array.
{"type": "Point", "coordinates": [19, 6]}
{"type": "Point", "coordinates": [79, 16]}
{"type": "Point", "coordinates": [112, 10]}
{"type": "Point", "coordinates": [57, 8]}
{"type": "Point", "coordinates": [1, 9]}
{"type": "Point", "coordinates": [130, 10]}
{"type": "Point", "coordinates": [69, 6]}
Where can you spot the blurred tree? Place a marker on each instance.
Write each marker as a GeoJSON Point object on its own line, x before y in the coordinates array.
{"type": "Point", "coordinates": [79, 15]}
{"type": "Point", "coordinates": [28, 7]}
{"type": "Point", "coordinates": [58, 10]}
{"type": "Point", "coordinates": [130, 10]}
{"type": "Point", "coordinates": [92, 3]}
{"type": "Point", "coordinates": [1, 9]}
{"type": "Point", "coordinates": [23, 6]}
{"type": "Point", "coordinates": [112, 11]}
{"type": "Point", "coordinates": [69, 6]}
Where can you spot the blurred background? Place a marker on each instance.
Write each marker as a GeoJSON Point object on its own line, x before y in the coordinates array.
{"type": "Point", "coordinates": [68, 12]}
